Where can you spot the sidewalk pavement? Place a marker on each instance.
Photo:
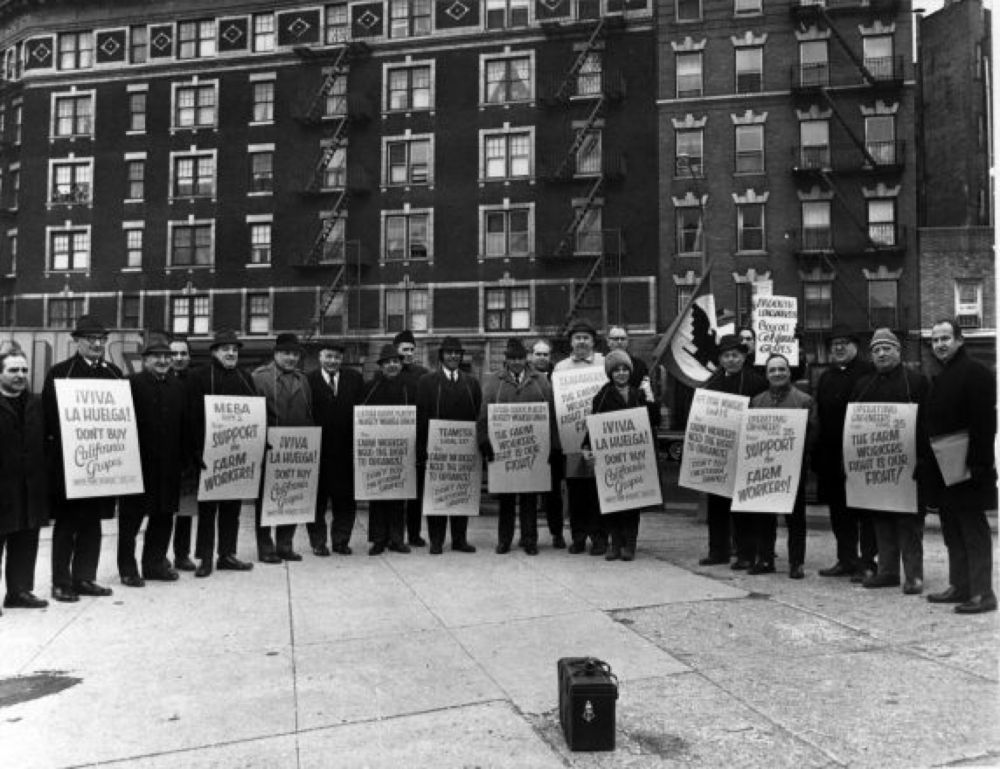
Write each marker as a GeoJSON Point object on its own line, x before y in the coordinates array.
{"type": "Point", "coordinates": [450, 661]}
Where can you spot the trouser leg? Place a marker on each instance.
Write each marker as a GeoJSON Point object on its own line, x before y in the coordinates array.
{"type": "Point", "coordinates": [766, 528]}
{"type": "Point", "coordinates": [528, 515]}
{"type": "Point", "coordinates": [888, 543]}
{"type": "Point", "coordinates": [317, 528]}
{"type": "Point", "coordinates": [718, 526]}
{"type": "Point", "coordinates": [459, 529]}
{"type": "Point", "coordinates": [867, 539]}
{"type": "Point", "coordinates": [182, 537]}
{"type": "Point", "coordinates": [437, 527]}
{"type": "Point", "coordinates": [796, 525]}
{"type": "Point", "coordinates": [378, 531]}
{"type": "Point", "coordinates": [579, 513]}
{"type": "Point", "coordinates": [745, 530]}
{"type": "Point", "coordinates": [285, 537]}
{"type": "Point", "coordinates": [129, 521]}
{"type": "Point", "coordinates": [414, 511]}
{"type": "Point", "coordinates": [554, 498]}
{"type": "Point", "coordinates": [205, 543]}
{"type": "Point", "coordinates": [156, 541]}
{"type": "Point", "coordinates": [843, 522]}
{"type": "Point", "coordinates": [229, 526]}
{"type": "Point", "coordinates": [87, 550]}
{"type": "Point", "coordinates": [631, 529]}
{"type": "Point", "coordinates": [63, 542]}
{"type": "Point", "coordinates": [345, 512]}
{"type": "Point", "coordinates": [910, 530]}
{"type": "Point", "coordinates": [22, 553]}
{"type": "Point", "coordinates": [975, 533]}
{"type": "Point", "coordinates": [396, 522]}
{"type": "Point", "coordinates": [505, 520]}
{"type": "Point", "coordinates": [958, 558]}
{"type": "Point", "coordinates": [265, 543]}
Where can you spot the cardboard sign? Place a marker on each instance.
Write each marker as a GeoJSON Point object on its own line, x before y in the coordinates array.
{"type": "Point", "coordinates": [100, 440]}
{"type": "Point", "coordinates": [624, 460]}
{"type": "Point", "coordinates": [519, 434]}
{"type": "Point", "coordinates": [454, 477]}
{"type": "Point", "coordinates": [235, 437]}
{"type": "Point", "coordinates": [291, 475]}
{"type": "Point", "coordinates": [385, 452]}
{"type": "Point", "coordinates": [774, 321]}
{"type": "Point", "coordinates": [880, 452]}
{"type": "Point", "coordinates": [769, 460]}
{"type": "Point", "coordinates": [713, 431]}
{"type": "Point", "coordinates": [574, 390]}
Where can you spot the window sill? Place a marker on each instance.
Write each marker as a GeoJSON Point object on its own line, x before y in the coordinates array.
{"type": "Point", "coordinates": [134, 201]}
{"type": "Point", "coordinates": [191, 199]}
{"type": "Point", "coordinates": [257, 265]}
{"type": "Point", "coordinates": [260, 194]}
{"type": "Point", "coordinates": [253, 123]}
{"type": "Point", "coordinates": [135, 132]}
{"type": "Point", "coordinates": [67, 205]}
{"type": "Point", "coordinates": [194, 129]}
{"type": "Point", "coordinates": [70, 137]}
{"type": "Point", "coordinates": [689, 255]}
{"type": "Point", "coordinates": [189, 267]}
{"type": "Point", "coordinates": [131, 269]}
{"type": "Point", "coordinates": [752, 252]}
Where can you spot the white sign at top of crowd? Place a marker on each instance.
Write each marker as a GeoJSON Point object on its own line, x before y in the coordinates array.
{"type": "Point", "coordinates": [774, 322]}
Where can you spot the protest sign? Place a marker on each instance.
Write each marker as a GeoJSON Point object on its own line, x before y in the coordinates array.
{"type": "Point", "coordinates": [454, 476]}
{"type": "Point", "coordinates": [709, 460]}
{"type": "Point", "coordinates": [624, 460]}
{"type": "Point", "coordinates": [880, 441]}
{"type": "Point", "coordinates": [519, 435]}
{"type": "Point", "coordinates": [291, 475]}
{"type": "Point", "coordinates": [774, 321]}
{"type": "Point", "coordinates": [235, 434]}
{"type": "Point", "coordinates": [385, 452]}
{"type": "Point", "coordinates": [769, 460]}
{"type": "Point", "coordinates": [573, 390]}
{"type": "Point", "coordinates": [100, 440]}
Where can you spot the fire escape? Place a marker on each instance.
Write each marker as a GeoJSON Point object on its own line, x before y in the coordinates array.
{"type": "Point", "coordinates": [588, 85]}
{"type": "Point", "coordinates": [332, 181]}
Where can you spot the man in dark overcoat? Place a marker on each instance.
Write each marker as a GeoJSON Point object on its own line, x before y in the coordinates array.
{"type": "Point", "coordinates": [160, 403]}
{"type": "Point", "coordinates": [447, 393]}
{"type": "Point", "coordinates": [24, 488]}
{"type": "Point", "coordinates": [76, 536]}
{"type": "Point", "coordinates": [406, 345]}
{"type": "Point", "coordinates": [180, 368]}
{"type": "Point", "coordinates": [962, 399]}
{"type": "Point", "coordinates": [336, 390]}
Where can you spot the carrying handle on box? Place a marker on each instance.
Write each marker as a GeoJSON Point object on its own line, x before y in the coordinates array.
{"type": "Point", "coordinates": [592, 665]}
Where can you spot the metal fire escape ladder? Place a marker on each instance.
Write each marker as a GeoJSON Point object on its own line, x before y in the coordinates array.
{"type": "Point", "coordinates": [329, 222]}
{"type": "Point", "coordinates": [566, 246]}
{"type": "Point", "coordinates": [329, 147]}
{"type": "Point", "coordinates": [326, 299]}
{"type": "Point", "coordinates": [851, 53]}
{"type": "Point", "coordinates": [337, 70]}
{"type": "Point", "coordinates": [569, 161]}
{"type": "Point", "coordinates": [568, 82]}
{"type": "Point", "coordinates": [858, 141]}
{"type": "Point", "coordinates": [828, 178]}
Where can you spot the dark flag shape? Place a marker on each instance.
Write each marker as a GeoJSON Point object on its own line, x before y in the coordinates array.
{"type": "Point", "coordinates": [688, 346]}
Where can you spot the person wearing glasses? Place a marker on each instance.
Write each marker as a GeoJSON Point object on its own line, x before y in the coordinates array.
{"type": "Point", "coordinates": [76, 535]}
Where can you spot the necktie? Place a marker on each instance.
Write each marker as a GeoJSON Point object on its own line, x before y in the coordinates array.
{"type": "Point", "coordinates": [333, 385]}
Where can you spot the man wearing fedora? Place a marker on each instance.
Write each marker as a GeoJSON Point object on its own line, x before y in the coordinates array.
{"type": "Point", "coordinates": [406, 346]}
{"type": "Point", "coordinates": [76, 536]}
{"type": "Point", "coordinates": [515, 383]}
{"type": "Point", "coordinates": [447, 393]}
{"type": "Point", "coordinates": [180, 369]}
{"type": "Point", "coordinates": [735, 377]}
{"type": "Point", "coordinates": [289, 404]}
{"type": "Point", "coordinates": [221, 376]}
{"type": "Point", "coordinates": [336, 390]}
{"type": "Point", "coordinates": [160, 403]}
{"type": "Point", "coordinates": [851, 530]}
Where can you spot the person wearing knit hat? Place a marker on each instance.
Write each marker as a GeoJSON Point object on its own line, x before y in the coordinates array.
{"type": "Point", "coordinates": [515, 383]}
{"type": "Point", "coordinates": [898, 535]}
{"type": "Point", "coordinates": [406, 344]}
{"type": "Point", "coordinates": [617, 358]}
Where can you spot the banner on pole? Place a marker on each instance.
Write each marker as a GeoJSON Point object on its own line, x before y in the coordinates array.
{"type": "Point", "coordinates": [624, 460]}
{"type": "Point", "coordinates": [774, 321]}
{"type": "Point", "coordinates": [291, 475]}
{"type": "Point", "coordinates": [100, 440]}
{"type": "Point", "coordinates": [454, 478]}
{"type": "Point", "coordinates": [880, 452]}
{"type": "Point", "coordinates": [519, 434]}
{"type": "Point", "coordinates": [385, 452]}
{"type": "Point", "coordinates": [713, 431]}
{"type": "Point", "coordinates": [769, 460]}
{"type": "Point", "coordinates": [235, 437]}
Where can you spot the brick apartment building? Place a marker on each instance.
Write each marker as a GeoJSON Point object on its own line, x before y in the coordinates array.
{"type": "Point", "coordinates": [451, 166]}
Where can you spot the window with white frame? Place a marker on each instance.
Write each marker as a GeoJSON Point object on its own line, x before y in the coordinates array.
{"type": "Point", "coordinates": [71, 181]}
{"type": "Point", "coordinates": [817, 305]}
{"type": "Point", "coordinates": [133, 247]}
{"type": "Point", "coordinates": [507, 309]}
{"type": "Point", "coordinates": [408, 161]}
{"type": "Point", "coordinates": [263, 101]}
{"type": "Point", "coordinates": [409, 18]}
{"type": "Point", "coordinates": [689, 153]}
{"type": "Point", "coordinates": [136, 172]}
{"type": "Point", "coordinates": [190, 314]}
{"type": "Point", "coordinates": [685, 294]}
{"type": "Point", "coordinates": [194, 175]}
{"type": "Point", "coordinates": [688, 10]}
{"type": "Point", "coordinates": [507, 155]}
{"type": "Point", "coordinates": [749, 69]}
{"type": "Point", "coordinates": [64, 312]}
{"type": "Point", "coordinates": [880, 138]}
{"type": "Point", "coordinates": [194, 105]}
{"type": "Point", "coordinates": [816, 232]}
{"type": "Point", "coordinates": [73, 114]}
{"type": "Point", "coordinates": [877, 53]}
{"type": "Point", "coordinates": [744, 303]}
{"type": "Point", "coordinates": [131, 311]}
{"type": "Point", "coordinates": [501, 14]}
{"type": "Point", "coordinates": [589, 155]}
{"type": "Point", "coordinates": [69, 248]}
{"type": "Point", "coordinates": [507, 80]}
{"type": "Point", "coordinates": [76, 50]}
{"type": "Point", "coordinates": [13, 187]}
{"type": "Point", "coordinates": [196, 39]}
{"type": "Point", "coordinates": [12, 251]}
{"type": "Point", "coordinates": [749, 149]}
{"type": "Point", "coordinates": [689, 74]}
{"type": "Point", "coordinates": [406, 235]}
{"type": "Point", "coordinates": [335, 104]}
{"type": "Point", "coordinates": [814, 64]}
{"type": "Point", "coordinates": [506, 232]}
{"type": "Point", "coordinates": [969, 303]}
{"type": "Point", "coordinates": [335, 23]}
{"type": "Point", "coordinates": [258, 313]}
{"type": "Point", "coordinates": [409, 88]}
{"type": "Point", "coordinates": [882, 221]}
{"type": "Point", "coordinates": [750, 227]}
{"type": "Point", "coordinates": [590, 235]}
{"type": "Point", "coordinates": [262, 171]}
{"type": "Point", "coordinates": [137, 111]}
{"type": "Point", "coordinates": [407, 308]}
{"type": "Point", "coordinates": [690, 229]}
{"type": "Point", "coordinates": [138, 44]}
{"type": "Point", "coordinates": [335, 173]}
{"type": "Point", "coordinates": [589, 78]}
{"type": "Point", "coordinates": [335, 245]}
{"type": "Point", "coordinates": [263, 32]}
{"type": "Point", "coordinates": [260, 242]}
{"type": "Point", "coordinates": [192, 244]}
{"type": "Point", "coordinates": [814, 144]}
{"type": "Point", "coordinates": [18, 116]}
{"type": "Point", "coordinates": [882, 303]}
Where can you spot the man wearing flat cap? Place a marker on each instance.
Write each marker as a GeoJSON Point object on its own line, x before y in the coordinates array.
{"type": "Point", "coordinates": [447, 393]}
{"type": "Point", "coordinates": [515, 383]}
{"type": "Point", "coordinates": [289, 404]}
{"type": "Point", "coordinates": [854, 533]}
{"type": "Point", "coordinates": [406, 346]}
{"type": "Point", "coordinates": [165, 450]}
{"type": "Point", "coordinates": [76, 536]}
{"type": "Point", "coordinates": [336, 390]}
{"type": "Point", "coordinates": [222, 376]}
{"type": "Point", "coordinates": [735, 377]}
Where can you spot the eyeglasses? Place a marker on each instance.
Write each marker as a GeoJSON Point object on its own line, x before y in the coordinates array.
{"type": "Point", "coordinates": [746, 338]}
{"type": "Point", "coordinates": [95, 339]}
{"type": "Point", "coordinates": [617, 338]}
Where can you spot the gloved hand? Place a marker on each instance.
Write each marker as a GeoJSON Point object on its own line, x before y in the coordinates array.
{"type": "Point", "coordinates": [487, 451]}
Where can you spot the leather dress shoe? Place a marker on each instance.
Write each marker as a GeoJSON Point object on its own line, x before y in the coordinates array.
{"type": "Point", "coordinates": [289, 555]}
{"type": "Point", "coordinates": [232, 563]}
{"type": "Point", "coordinates": [162, 574]}
{"type": "Point", "coordinates": [204, 568]}
{"type": "Point", "coordinates": [741, 564]}
{"type": "Point", "coordinates": [977, 605]}
{"type": "Point", "coordinates": [89, 587]}
{"type": "Point", "coordinates": [577, 547]}
{"type": "Point", "coordinates": [268, 558]}
{"type": "Point", "coordinates": [913, 587]}
{"type": "Point", "coordinates": [951, 595]}
{"type": "Point", "coordinates": [503, 548]}
{"type": "Point", "coordinates": [399, 547]}
{"type": "Point", "coordinates": [881, 580]}
{"type": "Point", "coordinates": [713, 560]}
{"type": "Point", "coordinates": [418, 541]}
{"type": "Point", "coordinates": [436, 548]}
{"type": "Point", "coordinates": [613, 554]}
{"type": "Point", "coordinates": [463, 547]}
{"type": "Point", "coordinates": [133, 580]}
{"type": "Point", "coordinates": [839, 569]}
{"type": "Point", "coordinates": [628, 553]}
{"type": "Point", "coordinates": [64, 594]}
{"type": "Point", "coordinates": [598, 548]}
{"type": "Point", "coordinates": [861, 575]}
{"type": "Point", "coordinates": [377, 549]}
{"type": "Point", "coordinates": [762, 567]}
{"type": "Point", "coordinates": [558, 542]}
{"type": "Point", "coordinates": [184, 564]}
{"type": "Point", "coordinates": [531, 549]}
{"type": "Point", "coordinates": [24, 600]}
{"type": "Point", "coordinates": [342, 549]}
{"type": "Point", "coordinates": [796, 572]}
{"type": "Point", "coordinates": [321, 550]}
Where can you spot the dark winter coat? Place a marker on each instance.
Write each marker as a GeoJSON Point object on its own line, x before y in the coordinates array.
{"type": "Point", "coordinates": [440, 398]}
{"type": "Point", "coordinates": [336, 416]}
{"type": "Point", "coordinates": [609, 398]}
{"type": "Point", "coordinates": [24, 484]}
{"type": "Point", "coordinates": [748, 381]}
{"type": "Point", "coordinates": [213, 379]}
{"type": "Point", "coordinates": [382, 391]}
{"type": "Point", "coordinates": [833, 391]}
